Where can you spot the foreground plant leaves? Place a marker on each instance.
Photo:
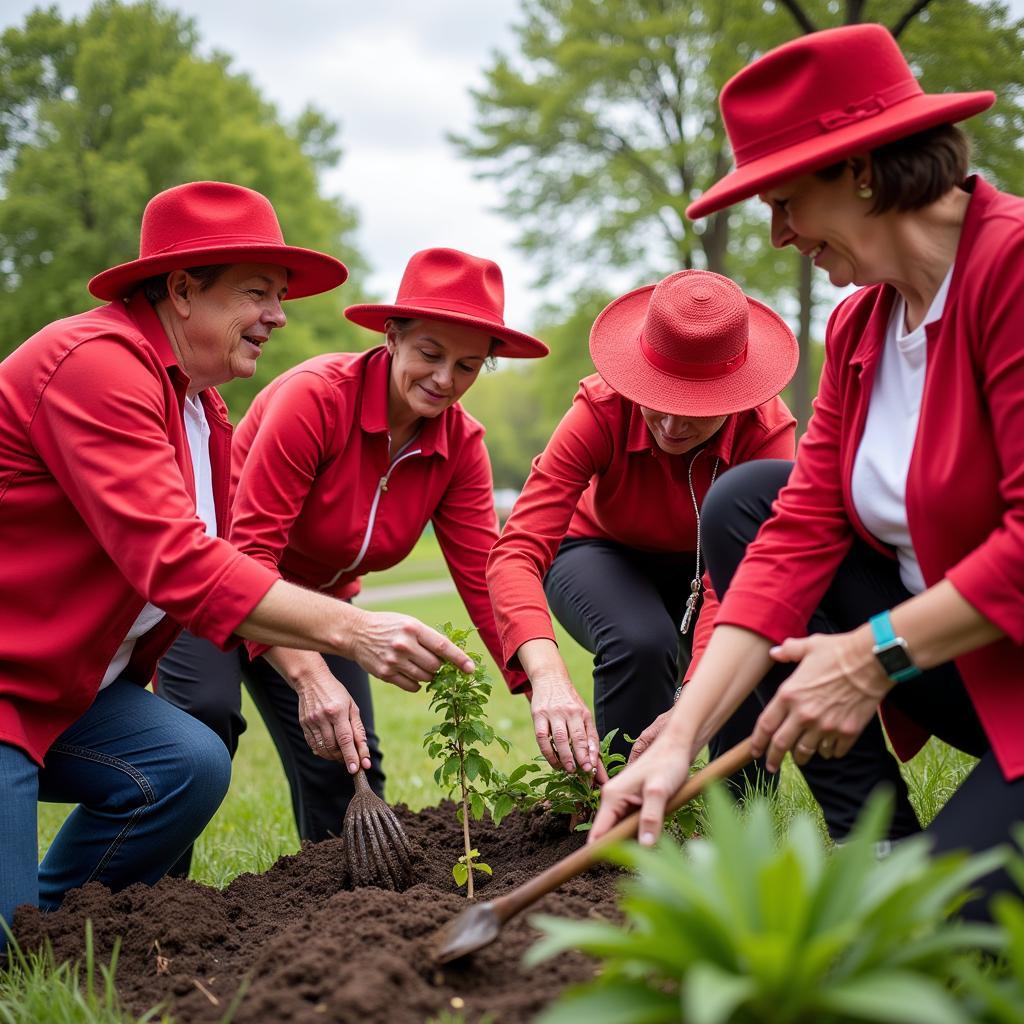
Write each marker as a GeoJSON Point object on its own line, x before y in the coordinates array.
{"type": "Point", "coordinates": [746, 927]}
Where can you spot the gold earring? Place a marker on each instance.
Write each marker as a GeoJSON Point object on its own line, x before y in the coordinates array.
{"type": "Point", "coordinates": [865, 191]}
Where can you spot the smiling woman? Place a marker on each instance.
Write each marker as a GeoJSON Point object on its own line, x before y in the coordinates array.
{"type": "Point", "coordinates": [340, 464]}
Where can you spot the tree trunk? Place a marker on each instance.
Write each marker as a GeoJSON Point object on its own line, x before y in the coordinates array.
{"type": "Point", "coordinates": [801, 386]}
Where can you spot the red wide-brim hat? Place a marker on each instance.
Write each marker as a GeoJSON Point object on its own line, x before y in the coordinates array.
{"type": "Point", "coordinates": [449, 285]}
{"type": "Point", "coordinates": [693, 345]}
{"type": "Point", "coordinates": [211, 222]}
{"type": "Point", "coordinates": [819, 99]}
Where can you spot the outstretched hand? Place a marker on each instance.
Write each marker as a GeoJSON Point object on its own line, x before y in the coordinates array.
{"type": "Point", "coordinates": [565, 730]}
{"type": "Point", "coordinates": [402, 650]}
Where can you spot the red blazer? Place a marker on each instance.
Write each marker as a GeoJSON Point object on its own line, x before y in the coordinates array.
{"type": "Point", "coordinates": [98, 517]}
{"type": "Point", "coordinates": [602, 475]}
{"type": "Point", "coordinates": [965, 486]}
{"type": "Point", "coordinates": [316, 496]}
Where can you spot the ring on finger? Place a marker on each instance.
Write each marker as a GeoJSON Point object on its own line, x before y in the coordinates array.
{"type": "Point", "coordinates": [825, 748]}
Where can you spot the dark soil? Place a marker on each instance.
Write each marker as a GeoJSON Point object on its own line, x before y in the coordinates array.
{"type": "Point", "coordinates": [314, 949]}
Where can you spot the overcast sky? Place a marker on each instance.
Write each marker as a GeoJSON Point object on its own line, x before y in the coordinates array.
{"type": "Point", "coordinates": [395, 74]}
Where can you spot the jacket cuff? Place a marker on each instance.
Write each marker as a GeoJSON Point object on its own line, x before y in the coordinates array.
{"type": "Point", "coordinates": [231, 599]}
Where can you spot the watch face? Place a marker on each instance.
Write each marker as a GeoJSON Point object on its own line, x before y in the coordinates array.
{"type": "Point", "coordinates": [894, 658]}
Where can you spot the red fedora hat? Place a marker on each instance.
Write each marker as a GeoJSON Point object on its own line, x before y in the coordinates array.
{"type": "Point", "coordinates": [206, 222]}
{"type": "Point", "coordinates": [693, 345]}
{"type": "Point", "coordinates": [445, 284]}
{"type": "Point", "coordinates": [818, 99]}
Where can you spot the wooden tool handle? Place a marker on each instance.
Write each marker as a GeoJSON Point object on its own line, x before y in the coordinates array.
{"type": "Point", "coordinates": [580, 860]}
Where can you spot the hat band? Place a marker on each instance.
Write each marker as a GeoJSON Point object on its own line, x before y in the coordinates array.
{"type": "Point", "coordinates": [446, 305]}
{"type": "Point", "coordinates": [232, 241]}
{"type": "Point", "coordinates": [691, 371]}
{"type": "Point", "coordinates": [829, 121]}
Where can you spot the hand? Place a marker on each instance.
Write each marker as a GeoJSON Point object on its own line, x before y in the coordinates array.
{"type": "Point", "coordinates": [331, 723]}
{"type": "Point", "coordinates": [402, 650]}
{"type": "Point", "coordinates": [825, 704]}
{"type": "Point", "coordinates": [564, 726]}
{"type": "Point", "coordinates": [647, 783]}
{"type": "Point", "coordinates": [649, 735]}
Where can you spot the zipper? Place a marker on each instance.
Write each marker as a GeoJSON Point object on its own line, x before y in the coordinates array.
{"type": "Point", "coordinates": [382, 485]}
{"type": "Point", "coordinates": [696, 584]}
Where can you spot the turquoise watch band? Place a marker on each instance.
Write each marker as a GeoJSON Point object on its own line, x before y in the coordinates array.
{"type": "Point", "coordinates": [891, 650]}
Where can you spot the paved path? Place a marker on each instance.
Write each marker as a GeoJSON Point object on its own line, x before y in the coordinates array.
{"type": "Point", "coordinates": [372, 596]}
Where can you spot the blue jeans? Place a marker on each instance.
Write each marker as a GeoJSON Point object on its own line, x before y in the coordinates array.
{"type": "Point", "coordinates": [146, 777]}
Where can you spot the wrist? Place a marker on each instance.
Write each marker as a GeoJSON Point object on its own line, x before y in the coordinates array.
{"type": "Point", "coordinates": [859, 664]}
{"type": "Point", "coordinates": [348, 624]}
{"type": "Point", "coordinates": [891, 650]}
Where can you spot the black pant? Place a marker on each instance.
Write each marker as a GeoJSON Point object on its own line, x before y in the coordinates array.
{"type": "Point", "coordinates": [203, 680]}
{"type": "Point", "coordinates": [625, 606]}
{"type": "Point", "coordinates": [986, 806]}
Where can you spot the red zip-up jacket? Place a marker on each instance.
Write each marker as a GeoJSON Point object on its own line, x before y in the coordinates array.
{"type": "Point", "coordinates": [98, 517]}
{"type": "Point", "coordinates": [965, 485]}
{"type": "Point", "coordinates": [603, 475]}
{"type": "Point", "coordinates": [318, 496]}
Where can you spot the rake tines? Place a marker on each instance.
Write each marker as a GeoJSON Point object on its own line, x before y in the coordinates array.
{"type": "Point", "coordinates": [376, 848]}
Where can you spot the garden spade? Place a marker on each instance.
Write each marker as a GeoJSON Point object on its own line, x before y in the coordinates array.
{"type": "Point", "coordinates": [479, 925]}
{"type": "Point", "coordinates": [376, 848]}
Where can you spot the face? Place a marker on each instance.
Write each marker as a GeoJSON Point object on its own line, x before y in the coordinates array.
{"type": "Point", "coordinates": [433, 364]}
{"type": "Point", "coordinates": [677, 435]}
{"type": "Point", "coordinates": [827, 221]}
{"type": "Point", "coordinates": [219, 333]}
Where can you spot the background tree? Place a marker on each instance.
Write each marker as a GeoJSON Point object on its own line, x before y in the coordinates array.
{"type": "Point", "coordinates": [605, 125]}
{"type": "Point", "coordinates": [99, 113]}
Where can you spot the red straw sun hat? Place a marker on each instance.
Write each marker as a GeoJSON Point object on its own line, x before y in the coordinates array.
{"type": "Point", "coordinates": [693, 345]}
{"type": "Point", "coordinates": [819, 99]}
{"type": "Point", "coordinates": [445, 284]}
{"type": "Point", "coordinates": [207, 222]}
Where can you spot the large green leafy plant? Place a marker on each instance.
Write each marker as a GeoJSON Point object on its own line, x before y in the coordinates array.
{"type": "Point", "coordinates": [458, 742]}
{"type": "Point", "coordinates": [745, 928]}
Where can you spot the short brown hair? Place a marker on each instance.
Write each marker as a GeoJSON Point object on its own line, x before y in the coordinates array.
{"type": "Point", "coordinates": [914, 171]}
{"type": "Point", "coordinates": [155, 288]}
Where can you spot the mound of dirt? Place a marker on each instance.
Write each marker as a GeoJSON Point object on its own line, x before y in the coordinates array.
{"type": "Point", "coordinates": [307, 947]}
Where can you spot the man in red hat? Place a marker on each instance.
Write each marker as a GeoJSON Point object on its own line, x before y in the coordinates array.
{"type": "Point", "coordinates": [114, 472]}
{"type": "Point", "coordinates": [886, 579]}
{"type": "Point", "coordinates": [340, 464]}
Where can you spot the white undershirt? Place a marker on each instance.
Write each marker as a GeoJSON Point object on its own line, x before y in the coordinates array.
{"type": "Point", "coordinates": [197, 431]}
{"type": "Point", "coordinates": [879, 484]}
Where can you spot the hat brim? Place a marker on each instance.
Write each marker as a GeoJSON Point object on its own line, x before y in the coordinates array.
{"type": "Point", "coordinates": [514, 344]}
{"type": "Point", "coordinates": [309, 272]}
{"type": "Point", "coordinates": [772, 355]}
{"type": "Point", "coordinates": [914, 115]}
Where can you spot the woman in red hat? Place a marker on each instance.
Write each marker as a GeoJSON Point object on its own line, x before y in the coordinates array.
{"type": "Point", "coordinates": [114, 471]}
{"type": "Point", "coordinates": [340, 464]}
{"type": "Point", "coordinates": [609, 523]}
{"type": "Point", "coordinates": [891, 576]}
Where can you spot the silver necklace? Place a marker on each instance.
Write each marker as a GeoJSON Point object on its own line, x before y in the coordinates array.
{"type": "Point", "coordinates": [696, 584]}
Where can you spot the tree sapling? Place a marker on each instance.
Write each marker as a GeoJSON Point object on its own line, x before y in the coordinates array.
{"type": "Point", "coordinates": [457, 743]}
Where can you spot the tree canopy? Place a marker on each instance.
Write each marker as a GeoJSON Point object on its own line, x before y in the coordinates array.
{"type": "Point", "coordinates": [97, 115]}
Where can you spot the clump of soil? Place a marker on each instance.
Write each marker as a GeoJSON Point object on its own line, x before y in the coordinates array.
{"type": "Point", "coordinates": [311, 948]}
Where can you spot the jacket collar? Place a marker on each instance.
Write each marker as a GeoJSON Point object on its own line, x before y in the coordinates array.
{"type": "Point", "coordinates": [639, 439]}
{"type": "Point", "coordinates": [870, 345]}
{"type": "Point", "coordinates": [145, 319]}
{"type": "Point", "coordinates": [373, 415]}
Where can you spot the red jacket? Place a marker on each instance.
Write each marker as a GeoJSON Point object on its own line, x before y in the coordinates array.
{"type": "Point", "coordinates": [317, 497]}
{"type": "Point", "coordinates": [965, 486]}
{"type": "Point", "coordinates": [602, 475]}
{"type": "Point", "coordinates": [98, 517]}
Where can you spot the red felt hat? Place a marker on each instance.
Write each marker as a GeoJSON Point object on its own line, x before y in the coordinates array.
{"type": "Point", "coordinates": [693, 345]}
{"type": "Point", "coordinates": [819, 99]}
{"type": "Point", "coordinates": [207, 222]}
{"type": "Point", "coordinates": [445, 284]}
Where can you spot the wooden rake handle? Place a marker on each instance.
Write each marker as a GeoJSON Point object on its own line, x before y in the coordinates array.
{"type": "Point", "coordinates": [580, 860]}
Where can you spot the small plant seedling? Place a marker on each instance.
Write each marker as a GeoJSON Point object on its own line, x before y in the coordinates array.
{"type": "Point", "coordinates": [514, 792]}
{"type": "Point", "coordinates": [457, 742]}
{"type": "Point", "coordinates": [575, 793]}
